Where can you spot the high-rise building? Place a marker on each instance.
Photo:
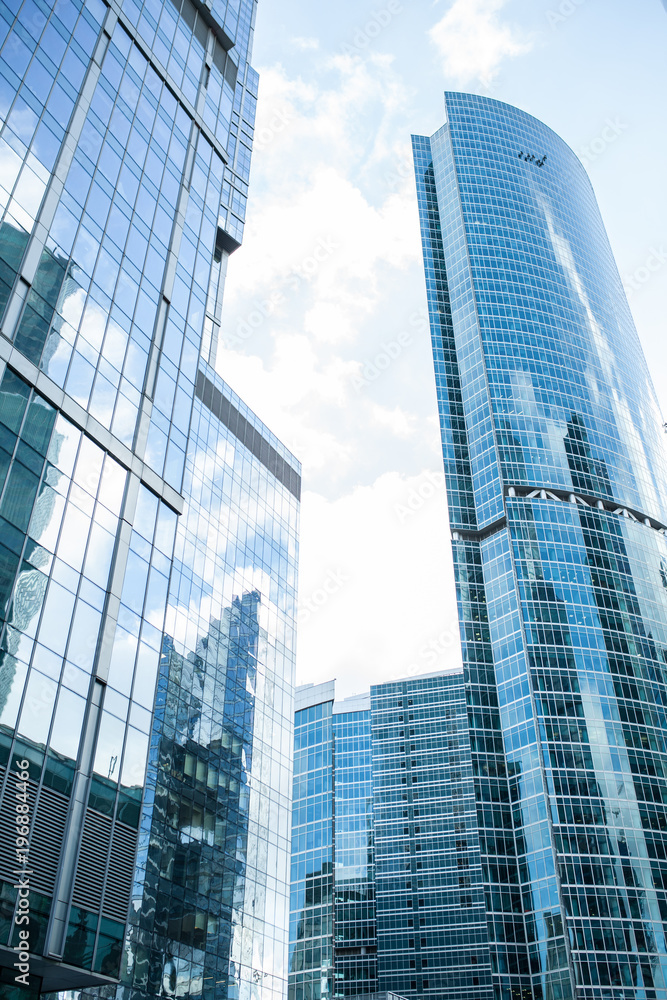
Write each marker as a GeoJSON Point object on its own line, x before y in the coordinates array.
{"type": "Point", "coordinates": [311, 973]}
{"type": "Point", "coordinates": [431, 927]}
{"type": "Point", "coordinates": [386, 871]}
{"type": "Point", "coordinates": [557, 495]}
{"type": "Point", "coordinates": [354, 917]}
{"type": "Point", "coordinates": [148, 520]}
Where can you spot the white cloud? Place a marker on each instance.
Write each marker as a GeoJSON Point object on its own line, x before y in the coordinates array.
{"type": "Point", "coordinates": [396, 420]}
{"type": "Point", "coordinates": [473, 42]}
{"type": "Point", "coordinates": [286, 395]}
{"type": "Point", "coordinates": [305, 44]}
{"type": "Point", "coordinates": [329, 275]}
{"type": "Point", "coordinates": [371, 607]}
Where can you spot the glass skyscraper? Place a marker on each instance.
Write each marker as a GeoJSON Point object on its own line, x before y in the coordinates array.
{"type": "Point", "coordinates": [148, 520]}
{"type": "Point", "coordinates": [386, 873]}
{"type": "Point", "coordinates": [431, 928]}
{"type": "Point", "coordinates": [557, 494]}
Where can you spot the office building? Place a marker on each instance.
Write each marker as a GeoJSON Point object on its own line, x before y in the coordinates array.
{"type": "Point", "coordinates": [148, 532]}
{"type": "Point", "coordinates": [431, 927]}
{"type": "Point", "coordinates": [555, 467]}
{"type": "Point", "coordinates": [386, 873]}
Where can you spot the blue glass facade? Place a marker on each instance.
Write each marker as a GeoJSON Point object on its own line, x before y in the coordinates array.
{"type": "Point", "coordinates": [311, 974]}
{"type": "Point", "coordinates": [557, 494]}
{"type": "Point", "coordinates": [148, 520]}
{"type": "Point", "coordinates": [355, 932]}
{"type": "Point", "coordinates": [387, 890]}
{"type": "Point", "coordinates": [431, 921]}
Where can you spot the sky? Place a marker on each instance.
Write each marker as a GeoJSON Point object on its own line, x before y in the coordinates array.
{"type": "Point", "coordinates": [325, 331]}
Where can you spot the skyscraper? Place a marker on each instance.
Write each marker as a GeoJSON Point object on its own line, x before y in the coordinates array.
{"type": "Point", "coordinates": [557, 497]}
{"type": "Point", "coordinates": [148, 520]}
{"type": "Point", "coordinates": [386, 874]}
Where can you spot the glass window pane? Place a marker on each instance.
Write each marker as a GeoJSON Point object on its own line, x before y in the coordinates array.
{"type": "Point", "coordinates": [112, 485]}
{"type": "Point", "coordinates": [83, 640]}
{"type": "Point", "coordinates": [67, 723]}
{"type": "Point", "coordinates": [122, 661]}
{"type": "Point", "coordinates": [56, 618]}
{"type": "Point", "coordinates": [89, 466]}
{"type": "Point", "coordinates": [37, 707]}
{"type": "Point", "coordinates": [73, 536]}
{"type": "Point", "coordinates": [134, 762]}
{"type": "Point", "coordinates": [64, 445]}
{"type": "Point", "coordinates": [98, 556]}
{"type": "Point", "coordinates": [146, 675]}
{"type": "Point", "coordinates": [13, 400]}
{"type": "Point", "coordinates": [109, 746]}
{"type": "Point", "coordinates": [46, 517]}
{"type": "Point", "coordinates": [144, 520]}
{"type": "Point", "coordinates": [12, 679]}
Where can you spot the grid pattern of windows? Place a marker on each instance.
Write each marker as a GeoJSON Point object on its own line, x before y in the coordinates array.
{"type": "Point", "coordinates": [431, 922]}
{"type": "Point", "coordinates": [45, 53]}
{"type": "Point", "coordinates": [146, 659]}
{"type": "Point", "coordinates": [542, 387]}
{"type": "Point", "coordinates": [215, 833]}
{"type": "Point", "coordinates": [355, 938]}
{"type": "Point", "coordinates": [311, 901]}
{"type": "Point", "coordinates": [60, 507]}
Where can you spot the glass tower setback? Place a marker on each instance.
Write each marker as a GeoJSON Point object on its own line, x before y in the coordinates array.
{"type": "Point", "coordinates": [311, 895]}
{"type": "Point", "coordinates": [332, 909]}
{"type": "Point", "coordinates": [431, 921]}
{"type": "Point", "coordinates": [387, 888]}
{"type": "Point", "coordinates": [557, 491]}
{"type": "Point", "coordinates": [148, 520]}
{"type": "Point", "coordinates": [355, 933]}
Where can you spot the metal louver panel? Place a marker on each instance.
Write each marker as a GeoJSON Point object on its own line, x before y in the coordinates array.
{"type": "Point", "coordinates": [89, 879]}
{"type": "Point", "coordinates": [121, 872]}
{"type": "Point", "coordinates": [46, 840]}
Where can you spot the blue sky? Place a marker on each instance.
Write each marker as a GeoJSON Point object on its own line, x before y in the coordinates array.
{"type": "Point", "coordinates": [324, 332]}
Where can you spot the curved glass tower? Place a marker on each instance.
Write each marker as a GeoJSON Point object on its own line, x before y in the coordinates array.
{"type": "Point", "coordinates": [557, 491]}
